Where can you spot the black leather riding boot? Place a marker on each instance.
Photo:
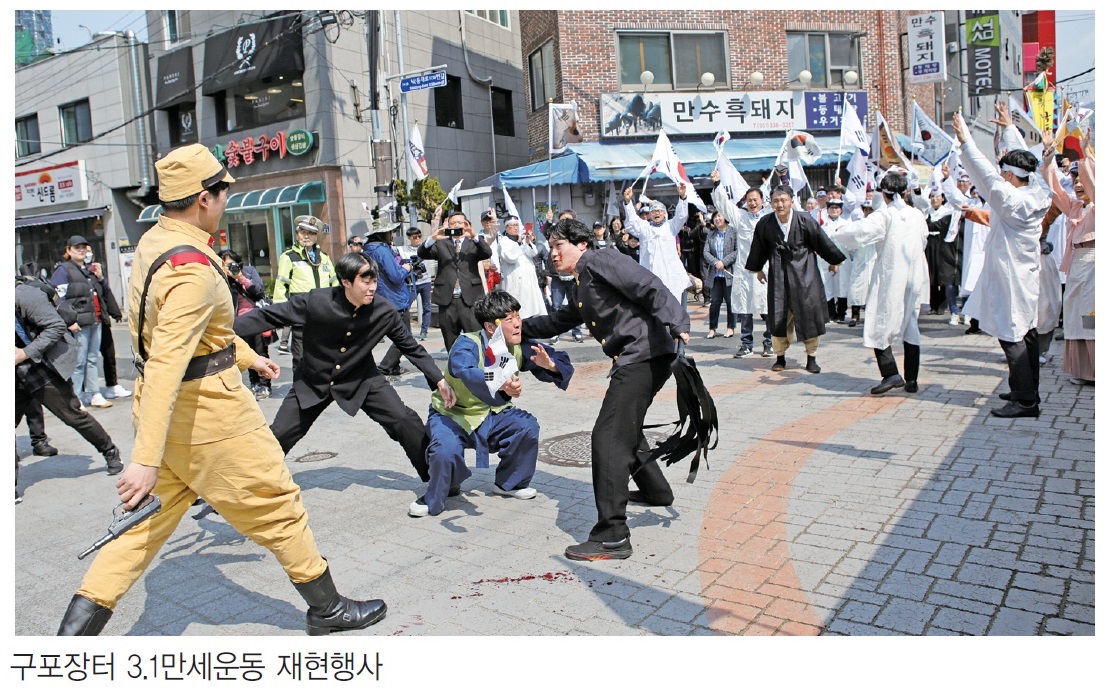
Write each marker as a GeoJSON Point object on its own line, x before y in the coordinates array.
{"type": "Point", "coordinates": [84, 618]}
{"type": "Point", "coordinates": [328, 611]}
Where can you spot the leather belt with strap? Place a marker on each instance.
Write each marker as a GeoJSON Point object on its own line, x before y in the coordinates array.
{"type": "Point", "coordinates": [204, 365]}
{"type": "Point", "coordinates": [1086, 244]}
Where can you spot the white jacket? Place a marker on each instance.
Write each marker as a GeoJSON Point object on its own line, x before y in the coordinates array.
{"type": "Point", "coordinates": [748, 295]}
{"type": "Point", "coordinates": [658, 247]}
{"type": "Point", "coordinates": [518, 276]}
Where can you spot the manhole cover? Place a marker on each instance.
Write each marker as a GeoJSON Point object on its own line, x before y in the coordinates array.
{"type": "Point", "coordinates": [575, 449]}
{"type": "Point", "coordinates": [315, 456]}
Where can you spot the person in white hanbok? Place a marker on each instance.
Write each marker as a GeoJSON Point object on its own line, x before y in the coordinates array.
{"type": "Point", "coordinates": [517, 270]}
{"type": "Point", "coordinates": [748, 295]}
{"type": "Point", "coordinates": [1005, 299]}
{"type": "Point", "coordinates": [836, 285]}
{"type": "Point", "coordinates": [1050, 286]}
{"type": "Point", "coordinates": [962, 196]}
{"type": "Point", "coordinates": [658, 241]}
{"type": "Point", "coordinates": [899, 234]}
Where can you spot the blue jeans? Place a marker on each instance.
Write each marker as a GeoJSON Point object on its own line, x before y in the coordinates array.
{"type": "Point", "coordinates": [86, 379]}
{"type": "Point", "coordinates": [746, 325]}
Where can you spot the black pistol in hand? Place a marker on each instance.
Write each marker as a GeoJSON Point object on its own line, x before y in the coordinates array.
{"type": "Point", "coordinates": [125, 520]}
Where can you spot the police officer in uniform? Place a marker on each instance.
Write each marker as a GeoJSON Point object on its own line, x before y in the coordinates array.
{"type": "Point", "coordinates": [303, 267]}
{"type": "Point", "coordinates": [201, 433]}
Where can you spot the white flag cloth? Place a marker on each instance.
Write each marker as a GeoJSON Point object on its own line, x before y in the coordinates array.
{"type": "Point", "coordinates": [730, 179]}
{"type": "Point", "coordinates": [853, 133]}
{"type": "Point", "coordinates": [1027, 127]}
{"type": "Point", "coordinates": [499, 364]}
{"type": "Point", "coordinates": [932, 144]}
{"type": "Point", "coordinates": [855, 194]}
{"type": "Point", "coordinates": [453, 195]}
{"type": "Point", "coordinates": [613, 199]}
{"type": "Point", "coordinates": [797, 179]}
{"type": "Point", "coordinates": [802, 146]}
{"type": "Point", "coordinates": [884, 150]}
{"type": "Point", "coordinates": [417, 159]}
{"type": "Point", "coordinates": [665, 161]}
{"type": "Point", "coordinates": [508, 203]}
{"type": "Point", "coordinates": [721, 138]}
{"type": "Point", "coordinates": [563, 126]}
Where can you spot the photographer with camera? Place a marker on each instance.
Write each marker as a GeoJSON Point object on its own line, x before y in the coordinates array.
{"type": "Point", "coordinates": [457, 250]}
{"type": "Point", "coordinates": [247, 293]}
{"type": "Point", "coordinates": [392, 283]}
{"type": "Point", "coordinates": [420, 278]}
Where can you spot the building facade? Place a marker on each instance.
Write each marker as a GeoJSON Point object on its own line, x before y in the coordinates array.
{"type": "Point", "coordinates": [83, 158]}
{"type": "Point", "coordinates": [34, 35]}
{"type": "Point", "coordinates": [286, 100]}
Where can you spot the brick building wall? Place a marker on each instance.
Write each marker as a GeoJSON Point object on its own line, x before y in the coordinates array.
{"type": "Point", "coordinates": [586, 54]}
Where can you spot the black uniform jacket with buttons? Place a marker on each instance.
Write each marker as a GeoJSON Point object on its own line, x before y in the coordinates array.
{"type": "Point", "coordinates": [338, 344]}
{"type": "Point", "coordinates": [460, 266]}
{"type": "Point", "coordinates": [627, 308]}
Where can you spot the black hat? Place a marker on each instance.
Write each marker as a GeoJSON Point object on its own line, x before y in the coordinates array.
{"type": "Point", "coordinates": [487, 216]}
{"type": "Point", "coordinates": [74, 241]}
{"type": "Point", "coordinates": [598, 224]}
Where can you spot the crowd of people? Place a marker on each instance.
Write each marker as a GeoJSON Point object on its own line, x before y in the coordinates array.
{"type": "Point", "coordinates": [977, 242]}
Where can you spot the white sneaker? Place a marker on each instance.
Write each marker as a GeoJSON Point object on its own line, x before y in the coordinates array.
{"type": "Point", "coordinates": [953, 319]}
{"type": "Point", "coordinates": [418, 509]}
{"type": "Point", "coordinates": [117, 392]}
{"type": "Point", "coordinates": [98, 401]}
{"type": "Point", "coordinates": [520, 494]}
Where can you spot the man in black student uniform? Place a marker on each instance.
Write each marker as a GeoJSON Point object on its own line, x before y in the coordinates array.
{"type": "Point", "coordinates": [636, 320]}
{"type": "Point", "coordinates": [342, 325]}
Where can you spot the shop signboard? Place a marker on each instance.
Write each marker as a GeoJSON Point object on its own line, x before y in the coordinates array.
{"type": "Point", "coordinates": [253, 148]}
{"type": "Point", "coordinates": [926, 48]}
{"type": "Point", "coordinates": [49, 186]}
{"type": "Point", "coordinates": [683, 113]}
{"type": "Point", "coordinates": [299, 141]}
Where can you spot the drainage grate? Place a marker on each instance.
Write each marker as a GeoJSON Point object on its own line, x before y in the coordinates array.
{"type": "Point", "coordinates": [315, 456]}
{"type": "Point", "coordinates": [575, 449]}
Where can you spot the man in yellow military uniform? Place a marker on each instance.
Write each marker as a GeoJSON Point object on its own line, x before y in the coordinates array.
{"type": "Point", "coordinates": [303, 267]}
{"type": "Point", "coordinates": [198, 431]}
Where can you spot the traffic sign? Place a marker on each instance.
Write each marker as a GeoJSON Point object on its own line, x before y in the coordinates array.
{"type": "Point", "coordinates": [427, 81]}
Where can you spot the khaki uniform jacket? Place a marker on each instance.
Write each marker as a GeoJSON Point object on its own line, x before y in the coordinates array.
{"type": "Point", "coordinates": [188, 313]}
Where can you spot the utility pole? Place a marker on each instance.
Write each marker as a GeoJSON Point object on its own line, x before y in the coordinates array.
{"type": "Point", "coordinates": [412, 212]}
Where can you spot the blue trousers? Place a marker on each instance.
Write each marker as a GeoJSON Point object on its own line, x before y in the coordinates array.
{"type": "Point", "coordinates": [86, 379]}
{"type": "Point", "coordinates": [512, 433]}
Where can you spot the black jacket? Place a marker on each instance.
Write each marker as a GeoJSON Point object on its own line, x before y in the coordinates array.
{"type": "Point", "coordinates": [83, 291]}
{"type": "Point", "coordinates": [458, 266]}
{"type": "Point", "coordinates": [338, 344]}
{"type": "Point", "coordinates": [627, 308]}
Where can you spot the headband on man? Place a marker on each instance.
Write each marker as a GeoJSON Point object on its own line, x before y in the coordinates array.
{"type": "Point", "coordinates": [1017, 171]}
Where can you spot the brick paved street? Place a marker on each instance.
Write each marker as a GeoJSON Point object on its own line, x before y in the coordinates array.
{"type": "Point", "coordinates": [825, 511]}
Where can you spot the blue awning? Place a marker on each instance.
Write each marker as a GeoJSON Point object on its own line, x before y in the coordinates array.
{"type": "Point", "coordinates": [150, 214]}
{"type": "Point", "coordinates": [601, 162]}
{"type": "Point", "coordinates": [565, 169]}
{"type": "Point", "coordinates": [308, 192]}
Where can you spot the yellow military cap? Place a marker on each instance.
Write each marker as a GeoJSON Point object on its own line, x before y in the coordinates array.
{"type": "Point", "coordinates": [188, 170]}
{"type": "Point", "coordinates": [311, 224]}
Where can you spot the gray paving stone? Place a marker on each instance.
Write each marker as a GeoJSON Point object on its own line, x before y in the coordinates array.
{"type": "Point", "coordinates": [858, 611]}
{"type": "Point", "coordinates": [1015, 622]}
{"type": "Point", "coordinates": [962, 621]}
{"type": "Point", "coordinates": [905, 616]}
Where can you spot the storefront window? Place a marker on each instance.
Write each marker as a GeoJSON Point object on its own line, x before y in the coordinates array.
{"type": "Point", "coordinates": [266, 101]}
{"type": "Point", "coordinates": [182, 124]}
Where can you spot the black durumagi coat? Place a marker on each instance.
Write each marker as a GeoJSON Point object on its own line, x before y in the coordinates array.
{"type": "Point", "coordinates": [794, 279]}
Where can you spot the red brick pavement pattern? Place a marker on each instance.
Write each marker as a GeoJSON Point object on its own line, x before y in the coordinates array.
{"type": "Point", "coordinates": [747, 576]}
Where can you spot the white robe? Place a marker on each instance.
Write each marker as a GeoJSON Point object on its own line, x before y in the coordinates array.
{"type": "Point", "coordinates": [1005, 298]}
{"type": "Point", "coordinates": [899, 236]}
{"type": "Point", "coordinates": [836, 285]}
{"type": "Point", "coordinates": [973, 237]}
{"type": "Point", "coordinates": [748, 295]}
{"type": "Point", "coordinates": [518, 276]}
{"type": "Point", "coordinates": [658, 248]}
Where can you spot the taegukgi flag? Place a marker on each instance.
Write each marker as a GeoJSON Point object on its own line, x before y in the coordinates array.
{"type": "Point", "coordinates": [563, 126]}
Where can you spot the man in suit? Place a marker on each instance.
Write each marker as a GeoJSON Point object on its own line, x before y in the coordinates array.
{"type": "Point", "coordinates": [457, 250]}
{"type": "Point", "coordinates": [790, 241]}
{"type": "Point", "coordinates": [342, 326]}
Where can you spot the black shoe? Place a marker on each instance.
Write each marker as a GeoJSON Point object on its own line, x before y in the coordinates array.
{"type": "Point", "coordinates": [637, 497]}
{"type": "Point", "coordinates": [1016, 409]}
{"type": "Point", "coordinates": [743, 352]}
{"type": "Point", "coordinates": [779, 365]}
{"type": "Point", "coordinates": [812, 367]}
{"type": "Point", "coordinates": [328, 611]}
{"type": "Point", "coordinates": [911, 387]}
{"type": "Point", "coordinates": [767, 349]}
{"type": "Point", "coordinates": [853, 323]}
{"type": "Point", "coordinates": [971, 330]}
{"type": "Point", "coordinates": [578, 338]}
{"type": "Point", "coordinates": [84, 617]}
{"type": "Point", "coordinates": [1006, 396]}
{"type": "Point", "coordinates": [887, 384]}
{"type": "Point", "coordinates": [115, 464]}
{"type": "Point", "coordinates": [44, 449]}
{"type": "Point", "coordinates": [283, 348]}
{"type": "Point", "coordinates": [454, 491]}
{"type": "Point", "coordinates": [599, 550]}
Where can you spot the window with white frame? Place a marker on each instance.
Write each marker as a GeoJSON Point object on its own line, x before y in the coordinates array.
{"type": "Point", "coordinates": [500, 17]}
{"type": "Point", "coordinates": [540, 66]}
{"type": "Point", "coordinates": [678, 60]}
{"type": "Point", "coordinates": [827, 56]}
